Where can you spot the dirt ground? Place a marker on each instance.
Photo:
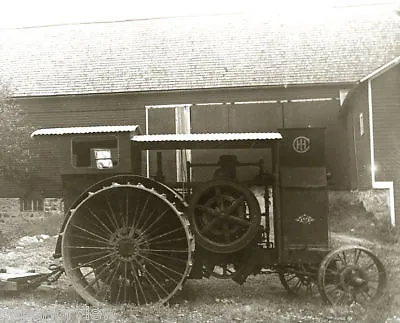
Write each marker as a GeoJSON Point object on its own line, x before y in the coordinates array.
{"type": "Point", "coordinates": [261, 299]}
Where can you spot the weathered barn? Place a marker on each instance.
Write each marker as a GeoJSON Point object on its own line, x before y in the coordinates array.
{"type": "Point", "coordinates": [220, 73]}
{"type": "Point", "coordinates": [372, 114]}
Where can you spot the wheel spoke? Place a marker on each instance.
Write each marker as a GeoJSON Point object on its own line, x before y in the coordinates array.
{"type": "Point", "coordinates": [96, 280]}
{"type": "Point", "coordinates": [242, 222]}
{"type": "Point", "coordinates": [112, 280]}
{"type": "Point", "coordinates": [369, 266]}
{"type": "Point", "coordinates": [89, 238]}
{"type": "Point", "coordinates": [98, 219]}
{"type": "Point", "coordinates": [134, 283]}
{"type": "Point", "coordinates": [341, 300]}
{"type": "Point", "coordinates": [89, 232]}
{"type": "Point", "coordinates": [89, 262]}
{"type": "Point", "coordinates": [344, 257]}
{"type": "Point", "coordinates": [159, 285]}
{"type": "Point", "coordinates": [366, 296]}
{"type": "Point", "coordinates": [164, 234]}
{"type": "Point", "coordinates": [141, 227]}
{"type": "Point", "coordinates": [235, 205]}
{"type": "Point", "coordinates": [357, 253]}
{"type": "Point", "coordinates": [209, 225]}
{"type": "Point", "coordinates": [208, 210]}
{"type": "Point", "coordinates": [139, 218]}
{"type": "Point", "coordinates": [125, 280]}
{"type": "Point", "coordinates": [291, 278]}
{"type": "Point", "coordinates": [112, 211]}
{"type": "Point", "coordinates": [136, 277]}
{"type": "Point", "coordinates": [156, 263]}
{"type": "Point", "coordinates": [88, 247]}
{"type": "Point", "coordinates": [146, 231]}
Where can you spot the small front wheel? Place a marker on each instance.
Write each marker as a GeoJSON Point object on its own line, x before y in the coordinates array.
{"type": "Point", "coordinates": [351, 274]}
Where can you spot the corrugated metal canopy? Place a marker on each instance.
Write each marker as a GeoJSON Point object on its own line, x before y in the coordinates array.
{"type": "Point", "coordinates": [207, 141]}
{"type": "Point", "coordinates": [196, 137]}
{"type": "Point", "coordinates": [86, 130]}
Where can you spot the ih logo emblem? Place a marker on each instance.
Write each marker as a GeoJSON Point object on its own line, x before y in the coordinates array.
{"type": "Point", "coordinates": [301, 144]}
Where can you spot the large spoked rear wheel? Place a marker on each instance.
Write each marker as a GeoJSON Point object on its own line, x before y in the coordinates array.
{"type": "Point", "coordinates": [351, 274]}
{"type": "Point", "coordinates": [126, 243]}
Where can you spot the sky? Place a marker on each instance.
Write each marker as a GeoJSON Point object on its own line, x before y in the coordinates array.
{"type": "Point", "coordinates": [26, 13]}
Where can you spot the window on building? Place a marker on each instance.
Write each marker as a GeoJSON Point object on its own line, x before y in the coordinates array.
{"type": "Point", "coordinates": [31, 204]}
{"type": "Point", "coordinates": [100, 153]}
{"type": "Point", "coordinates": [361, 124]}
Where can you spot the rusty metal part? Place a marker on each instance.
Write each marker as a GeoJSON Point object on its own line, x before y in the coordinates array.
{"type": "Point", "coordinates": [28, 280]}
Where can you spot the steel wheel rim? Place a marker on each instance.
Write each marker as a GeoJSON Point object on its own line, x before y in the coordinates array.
{"type": "Point", "coordinates": [127, 244]}
{"type": "Point", "coordinates": [351, 275]}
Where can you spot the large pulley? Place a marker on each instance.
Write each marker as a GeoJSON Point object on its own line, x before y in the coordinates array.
{"type": "Point", "coordinates": [126, 243]}
{"type": "Point", "coordinates": [225, 216]}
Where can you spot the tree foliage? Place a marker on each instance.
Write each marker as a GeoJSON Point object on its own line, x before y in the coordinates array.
{"type": "Point", "coordinates": [15, 141]}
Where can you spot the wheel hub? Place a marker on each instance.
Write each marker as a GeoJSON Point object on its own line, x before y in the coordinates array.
{"type": "Point", "coordinates": [128, 245]}
{"type": "Point", "coordinates": [353, 277]}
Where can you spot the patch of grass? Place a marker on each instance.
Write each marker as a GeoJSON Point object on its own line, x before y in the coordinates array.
{"type": "Point", "coordinates": [353, 219]}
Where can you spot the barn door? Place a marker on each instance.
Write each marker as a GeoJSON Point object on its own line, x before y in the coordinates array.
{"type": "Point", "coordinates": [182, 125]}
{"type": "Point", "coordinates": [168, 119]}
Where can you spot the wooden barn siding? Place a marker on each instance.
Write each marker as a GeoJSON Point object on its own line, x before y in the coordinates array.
{"type": "Point", "coordinates": [123, 109]}
{"type": "Point", "coordinates": [359, 146]}
{"type": "Point", "coordinates": [386, 112]}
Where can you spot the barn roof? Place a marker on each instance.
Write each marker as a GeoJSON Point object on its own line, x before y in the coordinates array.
{"type": "Point", "coordinates": [339, 46]}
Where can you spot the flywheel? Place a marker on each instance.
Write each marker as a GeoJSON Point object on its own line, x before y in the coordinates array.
{"type": "Point", "coordinates": [126, 243]}
{"type": "Point", "coordinates": [225, 216]}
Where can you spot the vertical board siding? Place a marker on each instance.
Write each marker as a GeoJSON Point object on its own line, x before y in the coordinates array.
{"type": "Point", "coordinates": [386, 111]}
{"type": "Point", "coordinates": [129, 108]}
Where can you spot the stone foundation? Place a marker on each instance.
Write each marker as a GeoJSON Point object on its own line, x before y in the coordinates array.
{"type": "Point", "coordinates": [53, 205]}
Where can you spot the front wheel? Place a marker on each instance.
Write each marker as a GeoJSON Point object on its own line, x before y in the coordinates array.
{"type": "Point", "coordinates": [351, 274]}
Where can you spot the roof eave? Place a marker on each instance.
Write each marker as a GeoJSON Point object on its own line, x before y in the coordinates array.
{"type": "Point", "coordinates": [265, 86]}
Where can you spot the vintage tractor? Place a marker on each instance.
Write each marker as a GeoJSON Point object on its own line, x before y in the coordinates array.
{"type": "Point", "coordinates": [230, 205]}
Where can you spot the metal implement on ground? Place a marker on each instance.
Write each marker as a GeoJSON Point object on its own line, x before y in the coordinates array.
{"type": "Point", "coordinates": [212, 205]}
{"type": "Point", "coordinates": [17, 280]}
